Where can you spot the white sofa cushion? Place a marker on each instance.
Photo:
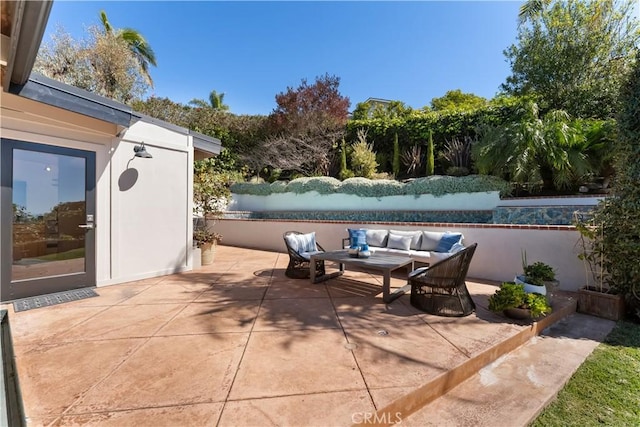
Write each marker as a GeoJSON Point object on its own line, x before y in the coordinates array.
{"type": "Point", "coordinates": [430, 240]}
{"type": "Point", "coordinates": [398, 241]}
{"type": "Point", "coordinates": [377, 238]}
{"type": "Point", "coordinates": [415, 237]}
{"type": "Point", "coordinates": [392, 251]}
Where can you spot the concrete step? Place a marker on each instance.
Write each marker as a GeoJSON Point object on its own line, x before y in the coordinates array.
{"type": "Point", "coordinates": [516, 387]}
{"type": "Point", "coordinates": [403, 407]}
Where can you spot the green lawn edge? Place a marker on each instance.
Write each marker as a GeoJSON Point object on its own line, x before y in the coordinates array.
{"type": "Point", "coordinates": [605, 390]}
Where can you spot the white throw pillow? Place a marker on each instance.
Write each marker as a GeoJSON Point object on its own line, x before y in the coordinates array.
{"type": "Point", "coordinates": [377, 238]}
{"type": "Point", "coordinates": [430, 240]}
{"type": "Point", "coordinates": [415, 237]}
{"type": "Point", "coordinates": [397, 241]}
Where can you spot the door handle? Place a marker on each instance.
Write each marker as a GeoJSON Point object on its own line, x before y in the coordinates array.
{"type": "Point", "coordinates": [87, 226]}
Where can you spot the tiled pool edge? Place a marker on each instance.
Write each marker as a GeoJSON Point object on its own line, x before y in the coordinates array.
{"type": "Point", "coordinates": [418, 224]}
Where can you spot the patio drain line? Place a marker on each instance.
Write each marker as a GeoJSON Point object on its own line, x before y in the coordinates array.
{"type": "Point", "coordinates": [53, 299]}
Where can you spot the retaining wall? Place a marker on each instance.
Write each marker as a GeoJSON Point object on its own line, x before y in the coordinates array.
{"type": "Point", "coordinates": [498, 256]}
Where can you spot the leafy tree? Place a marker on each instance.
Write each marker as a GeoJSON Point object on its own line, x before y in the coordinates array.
{"type": "Point", "coordinates": [165, 109]}
{"type": "Point", "coordinates": [546, 152]}
{"type": "Point", "coordinates": [430, 156]}
{"type": "Point", "coordinates": [573, 55]}
{"type": "Point", "coordinates": [377, 110]}
{"type": "Point", "coordinates": [458, 101]}
{"type": "Point", "coordinates": [311, 108]}
{"type": "Point", "coordinates": [216, 102]}
{"type": "Point", "coordinates": [138, 45]}
{"type": "Point", "coordinates": [617, 220]}
{"type": "Point", "coordinates": [306, 154]}
{"type": "Point", "coordinates": [101, 64]}
{"type": "Point", "coordinates": [304, 129]}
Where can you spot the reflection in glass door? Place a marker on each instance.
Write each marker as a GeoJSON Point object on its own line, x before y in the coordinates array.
{"type": "Point", "coordinates": [51, 220]}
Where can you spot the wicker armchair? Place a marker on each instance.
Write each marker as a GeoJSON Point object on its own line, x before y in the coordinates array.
{"type": "Point", "coordinates": [298, 267]}
{"type": "Point", "coordinates": [440, 289]}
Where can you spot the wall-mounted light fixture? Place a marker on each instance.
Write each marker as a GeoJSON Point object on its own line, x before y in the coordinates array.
{"type": "Point", "coordinates": [141, 151]}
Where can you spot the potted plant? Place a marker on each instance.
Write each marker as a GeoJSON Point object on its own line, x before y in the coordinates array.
{"type": "Point", "coordinates": [210, 198]}
{"type": "Point", "coordinates": [596, 298]}
{"type": "Point", "coordinates": [512, 300]}
{"type": "Point", "coordinates": [537, 277]}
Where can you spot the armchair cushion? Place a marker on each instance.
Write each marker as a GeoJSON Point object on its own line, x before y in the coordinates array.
{"type": "Point", "coordinates": [302, 242]}
{"type": "Point", "coordinates": [307, 255]}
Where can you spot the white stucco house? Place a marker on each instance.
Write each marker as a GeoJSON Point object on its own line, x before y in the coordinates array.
{"type": "Point", "coordinates": [81, 202]}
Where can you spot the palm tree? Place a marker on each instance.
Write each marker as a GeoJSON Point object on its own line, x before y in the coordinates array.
{"type": "Point", "coordinates": [139, 47]}
{"type": "Point", "coordinates": [531, 9]}
{"type": "Point", "coordinates": [548, 152]}
{"type": "Point", "coordinates": [216, 102]}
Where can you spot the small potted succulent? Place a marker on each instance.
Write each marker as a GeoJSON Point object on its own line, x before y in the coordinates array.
{"type": "Point", "coordinates": [512, 300]}
{"type": "Point", "coordinates": [537, 277]}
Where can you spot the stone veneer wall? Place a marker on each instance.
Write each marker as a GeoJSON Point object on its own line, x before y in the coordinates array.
{"type": "Point", "coordinates": [540, 215]}
{"type": "Point", "coordinates": [387, 216]}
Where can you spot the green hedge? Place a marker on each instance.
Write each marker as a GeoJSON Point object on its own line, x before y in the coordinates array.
{"type": "Point", "coordinates": [444, 126]}
{"type": "Point", "coordinates": [435, 185]}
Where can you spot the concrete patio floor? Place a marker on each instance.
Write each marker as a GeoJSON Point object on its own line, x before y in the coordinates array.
{"type": "Point", "coordinates": [237, 343]}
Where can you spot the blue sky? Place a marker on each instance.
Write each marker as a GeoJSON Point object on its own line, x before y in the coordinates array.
{"type": "Point", "coordinates": [407, 51]}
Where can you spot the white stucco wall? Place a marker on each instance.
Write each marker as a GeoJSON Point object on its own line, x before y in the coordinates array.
{"type": "Point", "coordinates": [498, 256]}
{"type": "Point", "coordinates": [151, 215]}
{"type": "Point", "coordinates": [141, 231]}
{"type": "Point", "coordinates": [313, 201]}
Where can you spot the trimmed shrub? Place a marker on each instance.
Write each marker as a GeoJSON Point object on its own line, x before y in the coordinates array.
{"type": "Point", "coordinates": [323, 185]}
{"type": "Point", "coordinates": [430, 159]}
{"type": "Point", "coordinates": [396, 156]}
{"type": "Point", "coordinates": [372, 188]}
{"type": "Point", "coordinates": [435, 185]}
{"type": "Point", "coordinates": [363, 159]}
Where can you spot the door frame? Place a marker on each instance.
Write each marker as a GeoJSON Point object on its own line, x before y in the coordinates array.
{"type": "Point", "coordinates": [39, 286]}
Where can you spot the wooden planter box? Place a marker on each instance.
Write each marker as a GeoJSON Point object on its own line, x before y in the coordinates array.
{"type": "Point", "coordinates": [600, 304]}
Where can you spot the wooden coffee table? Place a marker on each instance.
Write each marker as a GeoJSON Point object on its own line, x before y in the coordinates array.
{"type": "Point", "coordinates": [382, 262]}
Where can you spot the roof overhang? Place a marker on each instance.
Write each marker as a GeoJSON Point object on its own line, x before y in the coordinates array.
{"type": "Point", "coordinates": [205, 146]}
{"type": "Point", "coordinates": [48, 91]}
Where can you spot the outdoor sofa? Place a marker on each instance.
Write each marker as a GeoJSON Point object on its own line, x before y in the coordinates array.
{"type": "Point", "coordinates": [421, 245]}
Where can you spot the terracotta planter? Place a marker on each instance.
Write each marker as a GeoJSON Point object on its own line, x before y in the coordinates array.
{"type": "Point", "coordinates": [207, 251]}
{"type": "Point", "coordinates": [601, 304]}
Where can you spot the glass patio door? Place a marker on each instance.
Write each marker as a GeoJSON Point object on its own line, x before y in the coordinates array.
{"type": "Point", "coordinates": [48, 219]}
